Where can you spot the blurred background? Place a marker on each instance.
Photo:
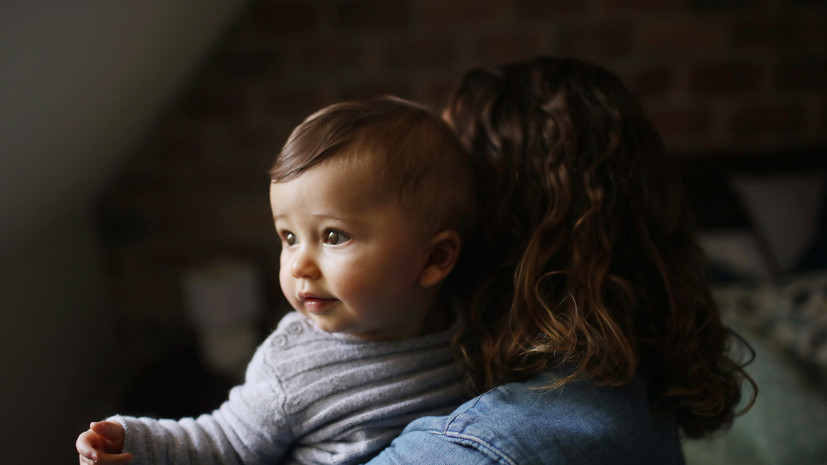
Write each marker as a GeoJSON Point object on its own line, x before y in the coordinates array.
{"type": "Point", "coordinates": [138, 266]}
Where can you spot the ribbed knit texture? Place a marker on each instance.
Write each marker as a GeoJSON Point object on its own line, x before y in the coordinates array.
{"type": "Point", "coordinates": [310, 397]}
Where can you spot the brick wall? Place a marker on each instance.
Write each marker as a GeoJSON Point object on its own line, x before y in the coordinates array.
{"type": "Point", "coordinates": [713, 75]}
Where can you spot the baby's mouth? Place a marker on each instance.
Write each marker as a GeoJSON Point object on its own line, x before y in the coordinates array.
{"type": "Point", "coordinates": [315, 304]}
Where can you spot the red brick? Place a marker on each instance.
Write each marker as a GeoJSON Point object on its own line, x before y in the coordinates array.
{"type": "Point", "coordinates": [284, 16]}
{"type": "Point", "coordinates": [651, 82]}
{"type": "Point", "coordinates": [419, 53]}
{"type": "Point", "coordinates": [807, 3]}
{"type": "Point", "coordinates": [549, 9]}
{"type": "Point", "coordinates": [682, 122]}
{"type": "Point", "coordinates": [295, 102]}
{"type": "Point", "coordinates": [245, 219]}
{"type": "Point", "coordinates": [456, 12]}
{"type": "Point", "coordinates": [770, 34]}
{"type": "Point", "coordinates": [195, 188]}
{"type": "Point", "coordinates": [803, 76]}
{"type": "Point", "coordinates": [725, 78]}
{"type": "Point", "coordinates": [333, 53]}
{"type": "Point", "coordinates": [610, 39]}
{"type": "Point", "coordinates": [639, 6]}
{"type": "Point", "coordinates": [729, 5]}
{"type": "Point", "coordinates": [254, 139]}
{"type": "Point", "coordinates": [366, 89]}
{"type": "Point", "coordinates": [685, 36]}
{"type": "Point", "coordinates": [361, 15]}
{"type": "Point", "coordinates": [227, 179]}
{"type": "Point", "coordinates": [437, 90]}
{"type": "Point", "coordinates": [507, 47]}
{"type": "Point", "coordinates": [768, 119]}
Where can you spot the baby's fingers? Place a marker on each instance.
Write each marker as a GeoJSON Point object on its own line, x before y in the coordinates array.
{"type": "Point", "coordinates": [104, 458]}
{"type": "Point", "coordinates": [111, 434]}
{"type": "Point", "coordinates": [90, 453]}
{"type": "Point", "coordinates": [87, 444]}
{"type": "Point", "coordinates": [108, 429]}
{"type": "Point", "coordinates": [102, 444]}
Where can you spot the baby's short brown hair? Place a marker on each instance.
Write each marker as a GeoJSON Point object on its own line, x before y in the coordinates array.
{"type": "Point", "coordinates": [415, 155]}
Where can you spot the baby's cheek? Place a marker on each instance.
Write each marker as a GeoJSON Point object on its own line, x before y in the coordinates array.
{"type": "Point", "coordinates": [354, 286]}
{"type": "Point", "coordinates": [285, 283]}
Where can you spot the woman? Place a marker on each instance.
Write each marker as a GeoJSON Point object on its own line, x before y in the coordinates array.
{"type": "Point", "coordinates": [594, 338]}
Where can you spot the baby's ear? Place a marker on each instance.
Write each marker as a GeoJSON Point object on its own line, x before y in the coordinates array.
{"type": "Point", "coordinates": [443, 255]}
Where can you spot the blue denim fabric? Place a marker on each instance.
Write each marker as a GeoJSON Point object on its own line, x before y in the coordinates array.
{"type": "Point", "coordinates": [516, 424]}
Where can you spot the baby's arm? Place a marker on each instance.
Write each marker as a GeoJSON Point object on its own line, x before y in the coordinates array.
{"type": "Point", "coordinates": [102, 444]}
{"type": "Point", "coordinates": [246, 429]}
{"type": "Point", "coordinates": [250, 427]}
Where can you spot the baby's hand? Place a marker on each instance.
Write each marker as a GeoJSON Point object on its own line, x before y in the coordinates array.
{"type": "Point", "coordinates": [102, 444]}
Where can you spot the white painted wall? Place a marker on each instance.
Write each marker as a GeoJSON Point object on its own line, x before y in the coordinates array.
{"type": "Point", "coordinates": [81, 83]}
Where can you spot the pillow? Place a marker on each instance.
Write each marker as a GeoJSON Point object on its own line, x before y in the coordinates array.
{"type": "Point", "coordinates": [762, 225]}
{"type": "Point", "coordinates": [785, 212]}
{"type": "Point", "coordinates": [735, 255]}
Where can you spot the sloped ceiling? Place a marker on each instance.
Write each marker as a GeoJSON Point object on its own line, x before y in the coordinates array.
{"type": "Point", "coordinates": [81, 83]}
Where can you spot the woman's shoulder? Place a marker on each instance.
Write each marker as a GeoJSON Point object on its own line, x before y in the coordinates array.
{"type": "Point", "coordinates": [580, 401]}
{"type": "Point", "coordinates": [522, 423]}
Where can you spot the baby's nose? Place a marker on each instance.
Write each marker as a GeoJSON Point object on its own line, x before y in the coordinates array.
{"type": "Point", "coordinates": [304, 265]}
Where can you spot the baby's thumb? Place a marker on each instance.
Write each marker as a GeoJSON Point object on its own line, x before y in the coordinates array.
{"type": "Point", "coordinates": [110, 430]}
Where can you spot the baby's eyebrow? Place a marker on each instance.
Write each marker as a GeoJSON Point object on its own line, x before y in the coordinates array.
{"type": "Point", "coordinates": [335, 216]}
{"type": "Point", "coordinates": [325, 216]}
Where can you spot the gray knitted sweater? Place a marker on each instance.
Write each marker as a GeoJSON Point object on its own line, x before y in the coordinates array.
{"type": "Point", "coordinates": [310, 397]}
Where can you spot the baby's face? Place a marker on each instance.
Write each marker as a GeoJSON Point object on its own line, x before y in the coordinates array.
{"type": "Point", "coordinates": [350, 259]}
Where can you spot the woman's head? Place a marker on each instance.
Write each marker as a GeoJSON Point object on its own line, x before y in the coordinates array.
{"type": "Point", "coordinates": [557, 139]}
{"type": "Point", "coordinates": [595, 261]}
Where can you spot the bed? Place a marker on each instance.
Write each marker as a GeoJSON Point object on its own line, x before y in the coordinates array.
{"type": "Point", "coordinates": [762, 220]}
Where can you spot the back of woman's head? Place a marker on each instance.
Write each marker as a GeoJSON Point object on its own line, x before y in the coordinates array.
{"type": "Point", "coordinates": [593, 251]}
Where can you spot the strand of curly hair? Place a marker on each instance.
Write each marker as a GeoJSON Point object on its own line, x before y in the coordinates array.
{"type": "Point", "coordinates": [595, 264]}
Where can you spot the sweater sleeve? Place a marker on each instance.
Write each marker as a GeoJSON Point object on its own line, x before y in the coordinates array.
{"type": "Point", "coordinates": [249, 428]}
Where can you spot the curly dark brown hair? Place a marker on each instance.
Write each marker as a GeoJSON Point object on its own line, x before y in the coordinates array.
{"type": "Point", "coordinates": [595, 260]}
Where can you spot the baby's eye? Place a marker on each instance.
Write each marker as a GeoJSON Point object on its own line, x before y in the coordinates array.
{"type": "Point", "coordinates": [288, 238]}
{"type": "Point", "coordinates": [333, 237]}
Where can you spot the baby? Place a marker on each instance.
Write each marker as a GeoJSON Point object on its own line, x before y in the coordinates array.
{"type": "Point", "coordinates": [370, 200]}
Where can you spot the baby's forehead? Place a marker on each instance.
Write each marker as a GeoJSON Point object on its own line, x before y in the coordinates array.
{"type": "Point", "coordinates": [362, 155]}
{"type": "Point", "coordinates": [376, 172]}
{"type": "Point", "coordinates": [368, 166]}
{"type": "Point", "coordinates": [355, 175]}
{"type": "Point", "coordinates": [353, 199]}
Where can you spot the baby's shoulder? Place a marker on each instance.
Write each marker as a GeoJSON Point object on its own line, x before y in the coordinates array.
{"type": "Point", "coordinates": [298, 346]}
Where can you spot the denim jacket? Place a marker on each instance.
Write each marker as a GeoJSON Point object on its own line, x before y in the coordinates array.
{"type": "Point", "coordinates": [519, 424]}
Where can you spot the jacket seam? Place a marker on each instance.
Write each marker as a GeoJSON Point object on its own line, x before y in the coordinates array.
{"type": "Point", "coordinates": [482, 445]}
